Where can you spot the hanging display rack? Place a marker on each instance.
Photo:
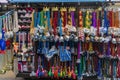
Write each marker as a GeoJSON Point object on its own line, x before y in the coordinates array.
{"type": "Point", "coordinates": [62, 1]}
{"type": "Point", "coordinates": [53, 1]}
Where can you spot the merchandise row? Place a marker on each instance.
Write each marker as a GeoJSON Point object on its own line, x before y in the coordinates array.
{"type": "Point", "coordinates": [70, 43]}
{"type": "Point", "coordinates": [63, 42]}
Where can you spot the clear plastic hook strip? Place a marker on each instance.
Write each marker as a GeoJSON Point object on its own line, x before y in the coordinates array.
{"type": "Point", "coordinates": [8, 13]}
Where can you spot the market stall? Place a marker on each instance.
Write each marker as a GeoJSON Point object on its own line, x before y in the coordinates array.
{"type": "Point", "coordinates": [64, 39]}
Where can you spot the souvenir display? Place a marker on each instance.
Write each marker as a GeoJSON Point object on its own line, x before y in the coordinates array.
{"type": "Point", "coordinates": [5, 41]}
{"type": "Point", "coordinates": [91, 49]}
{"type": "Point", "coordinates": [62, 42]}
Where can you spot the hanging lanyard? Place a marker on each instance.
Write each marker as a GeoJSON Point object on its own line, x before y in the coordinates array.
{"type": "Point", "coordinates": [19, 34]}
{"type": "Point", "coordinates": [7, 34]}
{"type": "Point", "coordinates": [72, 47]}
{"type": "Point", "coordinates": [38, 70]}
{"type": "Point", "coordinates": [87, 19]}
{"type": "Point", "coordinates": [8, 17]}
{"type": "Point", "coordinates": [115, 68]}
{"type": "Point", "coordinates": [94, 19]}
{"type": "Point", "coordinates": [114, 24]}
{"type": "Point", "coordinates": [42, 18]}
{"type": "Point", "coordinates": [29, 45]}
{"type": "Point", "coordinates": [67, 54]}
{"type": "Point", "coordinates": [43, 65]}
{"type": "Point", "coordinates": [39, 51]}
{"type": "Point", "coordinates": [118, 69]}
{"type": "Point", "coordinates": [105, 19]}
{"type": "Point", "coordinates": [59, 17]}
{"type": "Point", "coordinates": [111, 18]}
{"type": "Point", "coordinates": [80, 19]}
{"type": "Point", "coordinates": [108, 50]}
{"type": "Point", "coordinates": [84, 23]}
{"type": "Point", "coordinates": [11, 25]}
{"type": "Point", "coordinates": [11, 28]}
{"type": "Point", "coordinates": [90, 57]}
{"type": "Point", "coordinates": [60, 31]}
{"type": "Point", "coordinates": [116, 19]}
{"type": "Point", "coordinates": [105, 30]}
{"type": "Point", "coordinates": [73, 18]}
{"type": "Point", "coordinates": [118, 15]}
{"type": "Point", "coordinates": [101, 49]}
{"type": "Point", "coordinates": [45, 19]}
{"type": "Point", "coordinates": [55, 21]}
{"type": "Point", "coordinates": [81, 32]}
{"type": "Point", "coordinates": [32, 24]}
{"type": "Point", "coordinates": [1, 25]}
{"type": "Point", "coordinates": [87, 24]}
{"type": "Point", "coordinates": [4, 25]}
{"type": "Point", "coordinates": [64, 16]}
{"type": "Point", "coordinates": [79, 46]}
{"type": "Point", "coordinates": [61, 47]}
{"type": "Point", "coordinates": [98, 22]}
{"type": "Point", "coordinates": [55, 69]}
{"type": "Point", "coordinates": [45, 47]}
{"type": "Point", "coordinates": [48, 19]}
{"type": "Point", "coordinates": [23, 41]}
{"type": "Point", "coordinates": [38, 19]}
{"type": "Point", "coordinates": [107, 61]}
{"type": "Point", "coordinates": [113, 50]}
{"type": "Point", "coordinates": [69, 17]}
{"type": "Point", "coordinates": [118, 50]}
{"type": "Point", "coordinates": [45, 23]}
{"type": "Point", "coordinates": [94, 22]}
{"type": "Point", "coordinates": [99, 67]}
{"type": "Point", "coordinates": [90, 47]}
{"type": "Point", "coordinates": [35, 19]}
{"type": "Point", "coordinates": [78, 57]}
